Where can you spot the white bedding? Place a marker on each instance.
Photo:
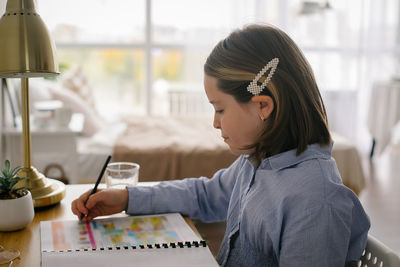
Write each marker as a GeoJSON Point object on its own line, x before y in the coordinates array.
{"type": "Point", "coordinates": [93, 151]}
{"type": "Point", "coordinates": [348, 162]}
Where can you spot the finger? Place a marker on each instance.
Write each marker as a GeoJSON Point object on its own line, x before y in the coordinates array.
{"type": "Point", "coordinates": [93, 213]}
{"type": "Point", "coordinates": [82, 200]}
{"type": "Point", "coordinates": [74, 209]}
{"type": "Point", "coordinates": [90, 217]}
{"type": "Point", "coordinates": [80, 206]}
{"type": "Point", "coordinates": [85, 195]}
{"type": "Point", "coordinates": [94, 199]}
{"type": "Point", "coordinates": [86, 219]}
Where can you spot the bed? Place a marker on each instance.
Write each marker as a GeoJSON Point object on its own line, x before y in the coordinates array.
{"type": "Point", "coordinates": [178, 147]}
{"type": "Point", "coordinates": [166, 148]}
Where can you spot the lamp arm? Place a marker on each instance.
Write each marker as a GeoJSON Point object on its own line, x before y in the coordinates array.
{"type": "Point", "coordinates": [26, 134]}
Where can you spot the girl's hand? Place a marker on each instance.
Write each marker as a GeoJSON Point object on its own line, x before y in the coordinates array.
{"type": "Point", "coordinates": [103, 202]}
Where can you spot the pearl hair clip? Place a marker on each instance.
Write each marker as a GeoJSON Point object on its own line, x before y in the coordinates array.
{"type": "Point", "coordinates": [256, 89]}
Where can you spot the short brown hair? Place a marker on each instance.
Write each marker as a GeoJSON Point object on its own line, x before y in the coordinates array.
{"type": "Point", "coordinates": [299, 117]}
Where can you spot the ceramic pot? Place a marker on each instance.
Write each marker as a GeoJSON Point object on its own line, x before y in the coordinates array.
{"type": "Point", "coordinates": [16, 213]}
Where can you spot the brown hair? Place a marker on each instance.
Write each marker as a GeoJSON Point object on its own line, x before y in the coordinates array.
{"type": "Point", "coordinates": [299, 116]}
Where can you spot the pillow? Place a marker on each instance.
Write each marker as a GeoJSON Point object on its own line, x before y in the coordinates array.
{"type": "Point", "coordinates": [45, 90]}
{"type": "Point", "coordinates": [76, 81]}
{"type": "Point", "coordinates": [92, 123]}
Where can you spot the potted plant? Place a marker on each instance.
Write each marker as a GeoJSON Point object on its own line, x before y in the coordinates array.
{"type": "Point", "coordinates": [16, 205]}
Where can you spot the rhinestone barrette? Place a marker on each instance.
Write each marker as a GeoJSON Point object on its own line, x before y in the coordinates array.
{"type": "Point", "coordinates": [256, 89]}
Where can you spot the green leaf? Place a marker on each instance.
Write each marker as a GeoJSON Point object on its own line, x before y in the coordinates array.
{"type": "Point", "coordinates": [10, 178]}
{"type": "Point", "coordinates": [15, 171]}
{"type": "Point", "coordinates": [3, 182]}
{"type": "Point", "coordinates": [7, 165]}
{"type": "Point", "coordinates": [6, 183]}
{"type": "Point", "coordinates": [5, 174]}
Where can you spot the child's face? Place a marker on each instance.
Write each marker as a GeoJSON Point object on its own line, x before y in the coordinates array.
{"type": "Point", "coordinates": [240, 124]}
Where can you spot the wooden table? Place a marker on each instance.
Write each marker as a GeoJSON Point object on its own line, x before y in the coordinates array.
{"type": "Point", "coordinates": [27, 241]}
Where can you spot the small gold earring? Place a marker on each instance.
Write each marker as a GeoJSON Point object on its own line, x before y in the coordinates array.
{"type": "Point", "coordinates": [262, 117]}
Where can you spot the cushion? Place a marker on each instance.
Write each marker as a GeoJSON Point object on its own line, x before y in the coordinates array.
{"type": "Point", "coordinates": [76, 81]}
{"type": "Point", "coordinates": [46, 90]}
{"type": "Point", "coordinates": [92, 123]}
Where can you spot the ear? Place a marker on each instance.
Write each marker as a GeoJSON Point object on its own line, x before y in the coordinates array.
{"type": "Point", "coordinates": [266, 105]}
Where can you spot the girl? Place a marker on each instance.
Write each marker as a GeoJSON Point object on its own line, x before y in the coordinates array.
{"type": "Point", "coordinates": [282, 199]}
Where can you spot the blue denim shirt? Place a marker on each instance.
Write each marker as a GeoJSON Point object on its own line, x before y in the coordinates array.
{"type": "Point", "coordinates": [287, 211]}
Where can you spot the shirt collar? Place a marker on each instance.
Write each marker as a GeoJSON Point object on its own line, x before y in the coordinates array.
{"type": "Point", "coordinates": [289, 158]}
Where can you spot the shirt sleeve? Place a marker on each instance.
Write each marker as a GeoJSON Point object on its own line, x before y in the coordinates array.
{"type": "Point", "coordinates": [318, 236]}
{"type": "Point", "coordinates": [202, 198]}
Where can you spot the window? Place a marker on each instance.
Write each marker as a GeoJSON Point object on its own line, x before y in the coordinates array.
{"type": "Point", "coordinates": [146, 56]}
{"type": "Point", "coordinates": [141, 56]}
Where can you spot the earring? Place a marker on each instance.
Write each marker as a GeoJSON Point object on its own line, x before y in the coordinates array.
{"type": "Point", "coordinates": [262, 117]}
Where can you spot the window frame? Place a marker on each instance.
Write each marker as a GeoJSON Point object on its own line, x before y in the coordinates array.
{"type": "Point", "coordinates": [148, 45]}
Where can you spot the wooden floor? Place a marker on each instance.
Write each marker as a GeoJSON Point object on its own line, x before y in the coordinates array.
{"type": "Point", "coordinates": [381, 200]}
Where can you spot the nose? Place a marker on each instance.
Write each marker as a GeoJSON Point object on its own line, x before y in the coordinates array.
{"type": "Point", "coordinates": [216, 123]}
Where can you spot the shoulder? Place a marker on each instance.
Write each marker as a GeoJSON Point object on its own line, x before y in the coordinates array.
{"type": "Point", "coordinates": [308, 183]}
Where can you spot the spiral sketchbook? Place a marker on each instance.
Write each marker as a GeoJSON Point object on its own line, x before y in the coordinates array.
{"type": "Point", "coordinates": [155, 240]}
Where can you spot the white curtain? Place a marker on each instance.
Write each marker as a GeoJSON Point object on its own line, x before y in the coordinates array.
{"type": "Point", "coordinates": [378, 56]}
{"type": "Point", "coordinates": [351, 45]}
{"type": "Point", "coordinates": [2, 6]}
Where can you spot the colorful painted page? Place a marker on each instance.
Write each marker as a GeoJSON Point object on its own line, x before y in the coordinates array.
{"type": "Point", "coordinates": [115, 232]}
{"type": "Point", "coordinates": [141, 241]}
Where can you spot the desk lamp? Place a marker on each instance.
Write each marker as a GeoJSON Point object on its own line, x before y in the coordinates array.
{"type": "Point", "coordinates": [27, 51]}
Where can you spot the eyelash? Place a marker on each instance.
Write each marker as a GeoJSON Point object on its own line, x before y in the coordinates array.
{"type": "Point", "coordinates": [220, 111]}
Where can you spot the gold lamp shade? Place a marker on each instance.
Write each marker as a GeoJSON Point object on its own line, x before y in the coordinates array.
{"type": "Point", "coordinates": [26, 51]}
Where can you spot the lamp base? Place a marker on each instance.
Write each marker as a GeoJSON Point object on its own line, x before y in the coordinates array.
{"type": "Point", "coordinates": [45, 191]}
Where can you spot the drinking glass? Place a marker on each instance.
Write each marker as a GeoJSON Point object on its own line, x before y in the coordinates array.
{"type": "Point", "coordinates": [122, 174]}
